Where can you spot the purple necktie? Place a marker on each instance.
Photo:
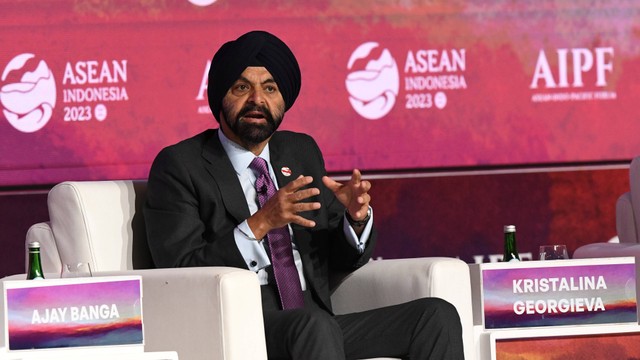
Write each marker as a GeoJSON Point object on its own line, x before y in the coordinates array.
{"type": "Point", "coordinates": [284, 268]}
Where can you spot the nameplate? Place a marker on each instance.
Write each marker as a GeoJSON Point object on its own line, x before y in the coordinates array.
{"type": "Point", "coordinates": [560, 292]}
{"type": "Point", "coordinates": [73, 313]}
{"type": "Point", "coordinates": [621, 341]}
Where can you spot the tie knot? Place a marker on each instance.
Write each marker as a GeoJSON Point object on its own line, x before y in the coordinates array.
{"type": "Point", "coordinates": [259, 165]}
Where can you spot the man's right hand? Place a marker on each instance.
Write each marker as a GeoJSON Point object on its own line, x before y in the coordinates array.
{"type": "Point", "coordinates": [284, 207]}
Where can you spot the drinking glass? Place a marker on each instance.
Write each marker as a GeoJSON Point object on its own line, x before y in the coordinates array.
{"type": "Point", "coordinates": [76, 270]}
{"type": "Point", "coordinates": [553, 252]}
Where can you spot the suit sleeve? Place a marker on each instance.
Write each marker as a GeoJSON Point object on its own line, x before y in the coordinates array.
{"type": "Point", "coordinates": [343, 256]}
{"type": "Point", "coordinates": [184, 226]}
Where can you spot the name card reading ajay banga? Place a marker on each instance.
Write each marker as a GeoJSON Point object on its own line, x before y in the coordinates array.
{"type": "Point", "coordinates": [560, 292]}
{"type": "Point", "coordinates": [70, 313]}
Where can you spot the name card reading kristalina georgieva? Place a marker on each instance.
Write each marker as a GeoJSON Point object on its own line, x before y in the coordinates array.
{"type": "Point", "coordinates": [73, 313]}
{"type": "Point", "coordinates": [560, 292]}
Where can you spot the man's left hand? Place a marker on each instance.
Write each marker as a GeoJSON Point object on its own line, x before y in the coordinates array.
{"type": "Point", "coordinates": [353, 194]}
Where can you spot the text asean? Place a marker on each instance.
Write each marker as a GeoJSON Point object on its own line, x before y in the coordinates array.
{"type": "Point", "coordinates": [95, 72]}
{"type": "Point", "coordinates": [435, 61]}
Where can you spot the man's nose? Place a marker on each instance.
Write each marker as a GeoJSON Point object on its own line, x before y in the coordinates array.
{"type": "Point", "coordinates": [256, 96]}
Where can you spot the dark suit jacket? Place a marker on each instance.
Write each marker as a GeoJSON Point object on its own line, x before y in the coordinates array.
{"type": "Point", "coordinates": [194, 202]}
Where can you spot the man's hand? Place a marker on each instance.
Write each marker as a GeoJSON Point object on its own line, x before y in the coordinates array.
{"type": "Point", "coordinates": [353, 194]}
{"type": "Point", "coordinates": [283, 208]}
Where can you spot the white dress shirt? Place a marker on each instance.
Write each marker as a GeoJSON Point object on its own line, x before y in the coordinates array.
{"type": "Point", "coordinates": [254, 252]}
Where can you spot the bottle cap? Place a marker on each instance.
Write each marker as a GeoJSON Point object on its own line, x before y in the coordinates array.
{"type": "Point", "coordinates": [34, 244]}
{"type": "Point", "coordinates": [509, 228]}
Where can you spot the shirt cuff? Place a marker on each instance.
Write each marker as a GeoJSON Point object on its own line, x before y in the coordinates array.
{"type": "Point", "coordinates": [252, 250]}
{"type": "Point", "coordinates": [361, 242]}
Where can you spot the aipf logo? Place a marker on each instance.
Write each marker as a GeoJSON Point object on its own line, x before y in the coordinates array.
{"type": "Point", "coordinates": [28, 93]}
{"type": "Point", "coordinates": [373, 81]}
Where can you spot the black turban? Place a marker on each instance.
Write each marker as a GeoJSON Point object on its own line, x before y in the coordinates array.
{"type": "Point", "coordinates": [255, 48]}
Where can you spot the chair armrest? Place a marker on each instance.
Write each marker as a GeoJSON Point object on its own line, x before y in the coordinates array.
{"type": "Point", "coordinates": [42, 233]}
{"type": "Point", "coordinates": [201, 312]}
{"type": "Point", "coordinates": [389, 282]}
{"type": "Point", "coordinates": [605, 250]}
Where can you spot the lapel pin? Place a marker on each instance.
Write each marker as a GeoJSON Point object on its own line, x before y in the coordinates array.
{"type": "Point", "coordinates": [285, 171]}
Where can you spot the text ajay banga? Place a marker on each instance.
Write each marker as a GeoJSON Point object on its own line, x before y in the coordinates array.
{"type": "Point", "coordinates": [562, 305]}
{"type": "Point", "coordinates": [75, 313]}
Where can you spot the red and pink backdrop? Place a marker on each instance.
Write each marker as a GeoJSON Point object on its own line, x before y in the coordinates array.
{"type": "Point", "coordinates": [404, 90]}
{"type": "Point", "coordinates": [93, 90]}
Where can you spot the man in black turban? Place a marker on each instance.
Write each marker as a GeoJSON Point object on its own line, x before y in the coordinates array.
{"type": "Point", "coordinates": [248, 196]}
{"type": "Point", "coordinates": [256, 48]}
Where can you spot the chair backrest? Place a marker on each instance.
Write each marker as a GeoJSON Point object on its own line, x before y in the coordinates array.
{"type": "Point", "coordinates": [625, 220]}
{"type": "Point", "coordinates": [628, 207]}
{"type": "Point", "coordinates": [100, 222]}
{"type": "Point", "coordinates": [634, 185]}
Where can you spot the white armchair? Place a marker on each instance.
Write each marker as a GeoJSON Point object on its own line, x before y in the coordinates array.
{"type": "Point", "coordinates": [627, 223]}
{"type": "Point", "coordinates": [214, 312]}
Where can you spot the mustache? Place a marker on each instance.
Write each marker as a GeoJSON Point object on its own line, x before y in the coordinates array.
{"type": "Point", "coordinates": [256, 108]}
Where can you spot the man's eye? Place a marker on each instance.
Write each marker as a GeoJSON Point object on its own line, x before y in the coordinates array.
{"type": "Point", "coordinates": [240, 88]}
{"type": "Point", "coordinates": [271, 89]}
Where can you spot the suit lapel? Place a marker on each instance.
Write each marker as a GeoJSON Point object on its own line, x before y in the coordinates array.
{"type": "Point", "coordinates": [225, 178]}
{"type": "Point", "coordinates": [284, 165]}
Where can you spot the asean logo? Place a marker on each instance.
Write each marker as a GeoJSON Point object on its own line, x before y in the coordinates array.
{"type": "Point", "coordinates": [202, 2]}
{"type": "Point", "coordinates": [28, 94]}
{"type": "Point", "coordinates": [373, 81]}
